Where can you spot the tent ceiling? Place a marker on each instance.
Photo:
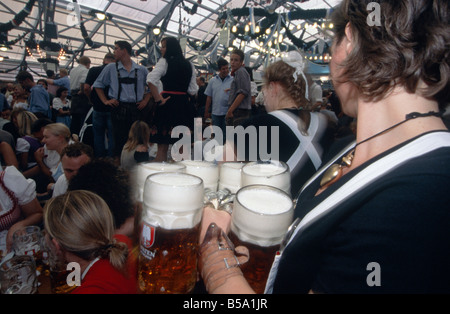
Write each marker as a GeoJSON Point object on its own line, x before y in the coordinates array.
{"type": "Point", "coordinates": [133, 20]}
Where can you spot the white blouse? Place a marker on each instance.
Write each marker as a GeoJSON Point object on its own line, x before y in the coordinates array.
{"type": "Point", "coordinates": [24, 189]}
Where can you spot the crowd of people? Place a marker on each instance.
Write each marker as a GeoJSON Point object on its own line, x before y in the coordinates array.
{"type": "Point", "coordinates": [369, 161]}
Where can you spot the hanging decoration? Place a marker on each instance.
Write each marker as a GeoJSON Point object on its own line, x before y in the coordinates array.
{"type": "Point", "coordinates": [85, 34]}
{"type": "Point", "coordinates": [192, 10]}
{"type": "Point", "coordinates": [18, 18]}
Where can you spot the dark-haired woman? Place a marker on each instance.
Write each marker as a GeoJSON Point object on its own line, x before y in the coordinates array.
{"type": "Point", "coordinates": [376, 218]}
{"type": "Point", "coordinates": [173, 109]}
{"type": "Point", "coordinates": [62, 106]}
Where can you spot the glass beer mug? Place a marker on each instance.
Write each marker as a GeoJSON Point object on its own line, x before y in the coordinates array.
{"type": "Point", "coordinates": [207, 171]}
{"type": "Point", "coordinates": [230, 176]}
{"type": "Point", "coordinates": [261, 216]}
{"type": "Point", "coordinates": [273, 173]}
{"type": "Point", "coordinates": [143, 170]}
{"type": "Point", "coordinates": [170, 230]}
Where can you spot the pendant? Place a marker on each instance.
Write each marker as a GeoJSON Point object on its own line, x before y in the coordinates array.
{"type": "Point", "coordinates": [334, 172]}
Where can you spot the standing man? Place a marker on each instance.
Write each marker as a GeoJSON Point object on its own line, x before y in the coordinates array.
{"type": "Point", "coordinates": [101, 116]}
{"type": "Point", "coordinates": [240, 100]}
{"type": "Point", "coordinates": [126, 94]}
{"type": "Point", "coordinates": [201, 97]}
{"type": "Point", "coordinates": [63, 80]}
{"type": "Point", "coordinates": [73, 156]}
{"type": "Point", "coordinates": [38, 101]}
{"type": "Point", "coordinates": [217, 94]}
{"type": "Point", "coordinates": [80, 101]}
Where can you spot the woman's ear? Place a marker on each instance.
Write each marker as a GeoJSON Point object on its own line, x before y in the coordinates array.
{"type": "Point", "coordinates": [56, 245]}
{"type": "Point", "coordinates": [348, 38]}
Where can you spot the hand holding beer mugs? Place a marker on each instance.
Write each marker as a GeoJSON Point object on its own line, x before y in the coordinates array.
{"type": "Point", "coordinates": [219, 260]}
{"type": "Point", "coordinates": [173, 204]}
{"type": "Point", "coordinates": [260, 218]}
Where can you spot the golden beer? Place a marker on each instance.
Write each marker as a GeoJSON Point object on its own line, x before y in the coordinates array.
{"type": "Point", "coordinates": [170, 230]}
{"type": "Point", "coordinates": [171, 267]}
{"type": "Point", "coordinates": [58, 281]}
{"type": "Point", "coordinates": [261, 216]}
{"type": "Point", "coordinates": [257, 269]}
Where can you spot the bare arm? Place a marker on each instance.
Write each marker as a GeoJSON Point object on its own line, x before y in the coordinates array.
{"type": "Point", "coordinates": [207, 105]}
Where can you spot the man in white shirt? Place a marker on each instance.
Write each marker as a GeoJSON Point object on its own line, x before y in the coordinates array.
{"type": "Point", "coordinates": [80, 101]}
{"type": "Point", "coordinates": [73, 157]}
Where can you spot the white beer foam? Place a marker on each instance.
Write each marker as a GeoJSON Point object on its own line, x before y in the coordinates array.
{"type": "Point", "coordinates": [230, 176]}
{"type": "Point", "coordinates": [173, 200]}
{"type": "Point", "coordinates": [208, 171]}
{"type": "Point", "coordinates": [143, 170]}
{"type": "Point", "coordinates": [274, 174]}
{"type": "Point", "coordinates": [262, 215]}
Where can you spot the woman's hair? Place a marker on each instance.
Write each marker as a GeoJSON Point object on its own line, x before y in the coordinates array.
{"type": "Point", "coordinates": [25, 120]}
{"type": "Point", "coordinates": [411, 46]}
{"type": "Point", "coordinates": [82, 224]}
{"type": "Point", "coordinates": [283, 73]}
{"type": "Point", "coordinates": [60, 129]}
{"type": "Point", "coordinates": [173, 48]}
{"type": "Point", "coordinates": [60, 91]}
{"type": "Point", "coordinates": [112, 183]}
{"type": "Point", "coordinates": [139, 134]}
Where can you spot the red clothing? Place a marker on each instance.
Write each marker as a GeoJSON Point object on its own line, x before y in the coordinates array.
{"type": "Point", "coordinates": [103, 278]}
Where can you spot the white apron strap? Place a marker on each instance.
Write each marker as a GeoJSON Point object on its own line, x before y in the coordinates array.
{"type": "Point", "coordinates": [306, 141]}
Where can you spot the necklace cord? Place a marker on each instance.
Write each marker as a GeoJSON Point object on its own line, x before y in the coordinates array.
{"type": "Point", "coordinates": [409, 116]}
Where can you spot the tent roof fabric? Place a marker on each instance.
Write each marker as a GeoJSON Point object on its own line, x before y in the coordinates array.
{"type": "Point", "coordinates": [130, 20]}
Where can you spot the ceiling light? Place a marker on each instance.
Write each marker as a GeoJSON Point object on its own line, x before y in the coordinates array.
{"type": "Point", "coordinates": [101, 16]}
{"type": "Point", "coordinates": [156, 31]}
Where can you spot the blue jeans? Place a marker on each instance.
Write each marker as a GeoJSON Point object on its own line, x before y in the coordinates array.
{"type": "Point", "coordinates": [102, 125]}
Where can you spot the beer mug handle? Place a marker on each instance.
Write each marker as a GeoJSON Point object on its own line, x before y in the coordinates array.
{"type": "Point", "coordinates": [218, 260]}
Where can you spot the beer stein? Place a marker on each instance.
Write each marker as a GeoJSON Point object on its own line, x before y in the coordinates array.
{"type": "Point", "coordinates": [29, 241]}
{"type": "Point", "coordinates": [261, 216]}
{"type": "Point", "coordinates": [18, 275]}
{"type": "Point", "coordinates": [207, 171]}
{"type": "Point", "coordinates": [57, 267]}
{"type": "Point", "coordinates": [170, 230]}
{"type": "Point", "coordinates": [273, 173]}
{"type": "Point", "coordinates": [230, 176]}
{"type": "Point", "coordinates": [143, 170]}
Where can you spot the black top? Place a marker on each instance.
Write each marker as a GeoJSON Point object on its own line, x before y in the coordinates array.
{"type": "Point", "coordinates": [178, 76]}
{"type": "Point", "coordinates": [401, 222]}
{"type": "Point", "coordinates": [98, 105]}
{"type": "Point", "coordinates": [287, 142]}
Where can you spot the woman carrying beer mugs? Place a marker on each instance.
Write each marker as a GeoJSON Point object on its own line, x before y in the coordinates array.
{"type": "Point", "coordinates": [80, 228]}
{"type": "Point", "coordinates": [374, 219]}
